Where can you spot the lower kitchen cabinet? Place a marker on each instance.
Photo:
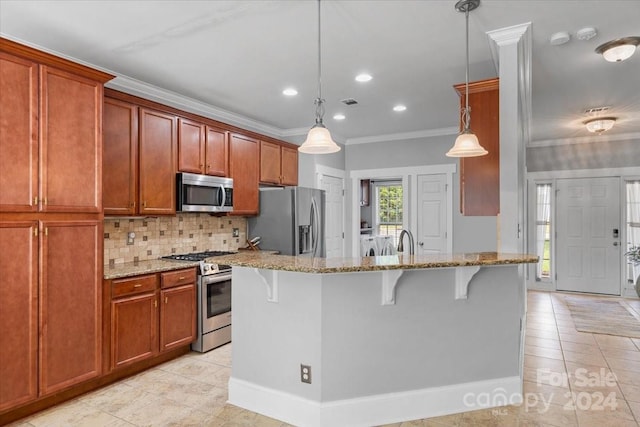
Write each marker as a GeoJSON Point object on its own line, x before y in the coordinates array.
{"type": "Point", "coordinates": [19, 313]}
{"type": "Point", "coordinates": [50, 317]}
{"type": "Point", "coordinates": [70, 303]}
{"type": "Point", "coordinates": [151, 314]}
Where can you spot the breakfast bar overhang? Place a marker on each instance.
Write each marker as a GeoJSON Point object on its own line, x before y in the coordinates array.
{"type": "Point", "coordinates": [387, 339]}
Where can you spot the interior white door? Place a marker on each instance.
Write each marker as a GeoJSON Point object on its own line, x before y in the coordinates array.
{"type": "Point", "coordinates": [588, 228]}
{"type": "Point", "coordinates": [431, 233]}
{"type": "Point", "coordinates": [334, 217]}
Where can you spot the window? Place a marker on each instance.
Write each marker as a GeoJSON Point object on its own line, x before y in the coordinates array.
{"type": "Point", "coordinates": [633, 225]}
{"type": "Point", "coordinates": [543, 231]}
{"type": "Point", "coordinates": [388, 213]}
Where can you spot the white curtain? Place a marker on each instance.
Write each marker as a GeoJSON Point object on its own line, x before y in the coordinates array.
{"type": "Point", "coordinates": [543, 222]}
{"type": "Point", "coordinates": [633, 224]}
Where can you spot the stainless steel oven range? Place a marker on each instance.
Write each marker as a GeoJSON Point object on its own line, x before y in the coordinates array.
{"type": "Point", "coordinates": [214, 300]}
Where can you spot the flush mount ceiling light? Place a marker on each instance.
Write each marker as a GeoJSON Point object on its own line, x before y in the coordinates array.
{"type": "Point", "coordinates": [319, 139]}
{"type": "Point", "coordinates": [619, 49]}
{"type": "Point", "coordinates": [600, 124]}
{"type": "Point", "coordinates": [364, 77]}
{"type": "Point", "coordinates": [290, 92]}
{"type": "Point", "coordinates": [399, 108]}
{"type": "Point", "coordinates": [339, 116]}
{"type": "Point", "coordinates": [467, 144]}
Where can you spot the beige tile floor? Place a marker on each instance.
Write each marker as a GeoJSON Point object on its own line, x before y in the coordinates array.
{"type": "Point", "coordinates": [568, 382]}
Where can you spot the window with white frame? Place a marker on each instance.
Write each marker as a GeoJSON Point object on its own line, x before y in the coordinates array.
{"type": "Point", "coordinates": [388, 208]}
{"type": "Point", "coordinates": [543, 231]}
{"type": "Point", "coordinates": [633, 225]}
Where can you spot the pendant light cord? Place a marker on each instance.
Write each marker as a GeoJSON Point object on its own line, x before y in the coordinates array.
{"type": "Point", "coordinates": [319, 101]}
{"type": "Point", "coordinates": [466, 120]}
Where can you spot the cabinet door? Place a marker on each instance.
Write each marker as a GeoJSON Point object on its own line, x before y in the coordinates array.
{"type": "Point", "coordinates": [70, 142]}
{"type": "Point", "coordinates": [120, 157]}
{"type": "Point", "coordinates": [217, 152]}
{"type": "Point", "coordinates": [177, 316]}
{"type": "Point", "coordinates": [244, 163]}
{"type": "Point", "coordinates": [18, 313]}
{"type": "Point", "coordinates": [289, 166]}
{"type": "Point", "coordinates": [70, 303]}
{"type": "Point", "coordinates": [157, 163]}
{"type": "Point", "coordinates": [134, 325]}
{"type": "Point", "coordinates": [191, 146]}
{"type": "Point", "coordinates": [18, 134]}
{"type": "Point", "coordinates": [269, 162]}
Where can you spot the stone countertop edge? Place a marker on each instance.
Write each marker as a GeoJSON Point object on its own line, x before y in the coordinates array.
{"type": "Point", "coordinates": [129, 269]}
{"type": "Point", "coordinates": [379, 263]}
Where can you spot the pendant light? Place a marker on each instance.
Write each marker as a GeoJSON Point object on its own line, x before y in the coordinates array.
{"type": "Point", "coordinates": [319, 139]}
{"type": "Point", "coordinates": [467, 144]}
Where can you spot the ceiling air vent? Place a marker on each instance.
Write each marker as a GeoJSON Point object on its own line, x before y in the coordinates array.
{"type": "Point", "coordinates": [349, 101]}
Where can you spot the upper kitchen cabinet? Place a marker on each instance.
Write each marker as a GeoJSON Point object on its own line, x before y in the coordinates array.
{"type": "Point", "coordinates": [480, 176]}
{"type": "Point", "coordinates": [244, 164]}
{"type": "Point", "coordinates": [201, 149]}
{"type": "Point", "coordinates": [18, 134]}
{"type": "Point", "coordinates": [157, 161]}
{"type": "Point", "coordinates": [50, 133]}
{"type": "Point", "coordinates": [278, 164]}
{"type": "Point", "coordinates": [120, 157]}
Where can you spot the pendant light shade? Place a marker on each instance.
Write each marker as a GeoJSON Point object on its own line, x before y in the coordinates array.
{"type": "Point", "coordinates": [467, 144]}
{"type": "Point", "coordinates": [319, 139]}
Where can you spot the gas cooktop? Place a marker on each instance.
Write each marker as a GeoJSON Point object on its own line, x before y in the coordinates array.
{"type": "Point", "coordinates": [197, 256]}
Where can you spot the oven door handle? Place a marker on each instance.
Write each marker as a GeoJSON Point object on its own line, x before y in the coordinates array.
{"type": "Point", "coordinates": [215, 278]}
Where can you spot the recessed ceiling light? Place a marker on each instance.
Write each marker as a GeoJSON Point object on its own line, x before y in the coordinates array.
{"type": "Point", "coordinates": [290, 92]}
{"type": "Point", "coordinates": [339, 116]}
{"type": "Point", "coordinates": [363, 77]}
{"type": "Point", "coordinates": [399, 108]}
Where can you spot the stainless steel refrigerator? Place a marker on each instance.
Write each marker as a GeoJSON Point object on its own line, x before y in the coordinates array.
{"type": "Point", "coordinates": [291, 221]}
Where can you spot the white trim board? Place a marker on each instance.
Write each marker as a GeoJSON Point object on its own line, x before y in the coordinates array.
{"type": "Point", "coordinates": [584, 173]}
{"type": "Point", "coordinates": [377, 409]}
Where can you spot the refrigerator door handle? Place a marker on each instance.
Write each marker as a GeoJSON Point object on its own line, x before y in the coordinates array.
{"type": "Point", "coordinates": [314, 226]}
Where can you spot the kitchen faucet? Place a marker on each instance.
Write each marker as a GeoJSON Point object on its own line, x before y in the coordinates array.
{"type": "Point", "coordinates": [401, 246]}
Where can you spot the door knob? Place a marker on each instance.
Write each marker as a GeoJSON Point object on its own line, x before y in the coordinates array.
{"type": "Point", "coordinates": [615, 243]}
{"type": "Point", "coordinates": [421, 243]}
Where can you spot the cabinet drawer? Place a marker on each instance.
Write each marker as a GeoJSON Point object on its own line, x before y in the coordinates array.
{"type": "Point", "coordinates": [133, 285]}
{"type": "Point", "coordinates": [179, 277]}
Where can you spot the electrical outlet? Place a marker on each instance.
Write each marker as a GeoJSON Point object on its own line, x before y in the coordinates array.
{"type": "Point", "coordinates": [305, 374]}
{"type": "Point", "coordinates": [236, 232]}
{"type": "Point", "coordinates": [131, 238]}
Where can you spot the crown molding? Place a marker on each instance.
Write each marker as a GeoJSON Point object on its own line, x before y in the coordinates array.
{"type": "Point", "coordinates": [305, 130]}
{"type": "Point", "coordinates": [173, 99]}
{"type": "Point", "coordinates": [634, 136]}
{"type": "Point", "coordinates": [506, 36]}
{"type": "Point", "coordinates": [427, 133]}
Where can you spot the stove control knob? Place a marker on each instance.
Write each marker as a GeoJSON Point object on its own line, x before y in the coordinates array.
{"type": "Point", "coordinates": [206, 267]}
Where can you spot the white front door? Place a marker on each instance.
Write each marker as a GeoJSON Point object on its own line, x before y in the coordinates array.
{"type": "Point", "coordinates": [334, 218]}
{"type": "Point", "coordinates": [588, 230]}
{"type": "Point", "coordinates": [431, 233]}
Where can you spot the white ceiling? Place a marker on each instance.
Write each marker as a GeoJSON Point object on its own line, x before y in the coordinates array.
{"type": "Point", "coordinates": [238, 56]}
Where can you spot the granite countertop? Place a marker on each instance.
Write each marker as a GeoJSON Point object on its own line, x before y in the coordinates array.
{"type": "Point", "coordinates": [129, 269]}
{"type": "Point", "coordinates": [378, 263]}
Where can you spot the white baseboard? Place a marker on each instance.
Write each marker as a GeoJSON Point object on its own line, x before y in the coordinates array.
{"type": "Point", "coordinates": [541, 286]}
{"type": "Point", "coordinates": [377, 409]}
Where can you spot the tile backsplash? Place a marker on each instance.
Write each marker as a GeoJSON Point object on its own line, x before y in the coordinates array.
{"type": "Point", "coordinates": [183, 233]}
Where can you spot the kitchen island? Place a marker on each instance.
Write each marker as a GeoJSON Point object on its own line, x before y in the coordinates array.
{"type": "Point", "coordinates": [387, 339]}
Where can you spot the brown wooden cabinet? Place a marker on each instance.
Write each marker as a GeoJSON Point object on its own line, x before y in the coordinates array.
{"type": "Point", "coordinates": [70, 303]}
{"type": "Point", "coordinates": [18, 313]}
{"type": "Point", "coordinates": [157, 160]}
{"type": "Point", "coordinates": [120, 157]}
{"type": "Point", "coordinates": [51, 226]}
{"type": "Point", "coordinates": [278, 164]}
{"type": "Point", "coordinates": [50, 138]}
{"type": "Point", "coordinates": [480, 176]}
{"type": "Point", "coordinates": [244, 164]}
{"type": "Point", "coordinates": [150, 314]}
{"type": "Point", "coordinates": [134, 320]}
{"type": "Point", "coordinates": [201, 149]}
{"type": "Point", "coordinates": [18, 134]}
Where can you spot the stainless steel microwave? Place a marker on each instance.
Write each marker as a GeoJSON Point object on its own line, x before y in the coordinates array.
{"type": "Point", "coordinates": [203, 193]}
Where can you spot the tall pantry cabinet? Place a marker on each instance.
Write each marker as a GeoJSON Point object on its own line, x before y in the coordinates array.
{"type": "Point", "coordinates": [50, 224]}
